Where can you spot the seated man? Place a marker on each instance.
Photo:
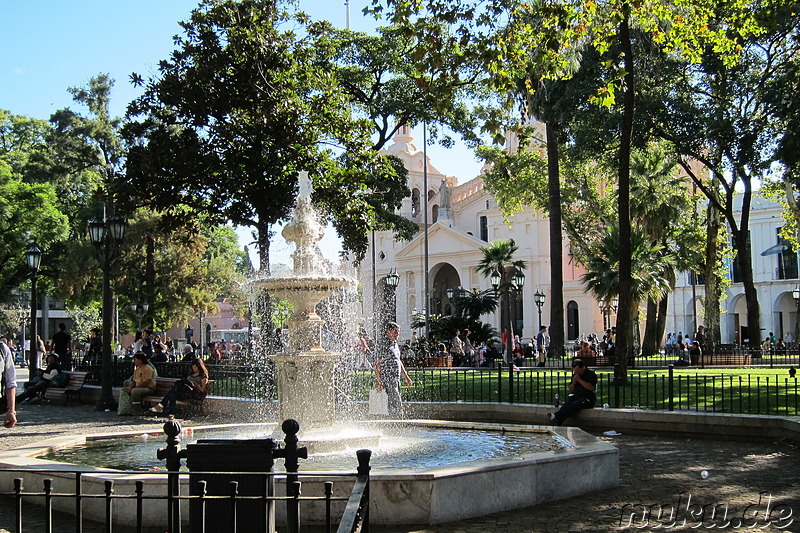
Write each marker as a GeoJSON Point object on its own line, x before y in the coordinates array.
{"type": "Point", "coordinates": [40, 382]}
{"type": "Point", "coordinates": [582, 393]}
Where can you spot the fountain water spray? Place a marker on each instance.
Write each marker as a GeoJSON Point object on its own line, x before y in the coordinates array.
{"type": "Point", "coordinates": [305, 374]}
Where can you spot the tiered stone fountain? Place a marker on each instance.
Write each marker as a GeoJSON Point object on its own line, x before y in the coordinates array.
{"type": "Point", "coordinates": [305, 374]}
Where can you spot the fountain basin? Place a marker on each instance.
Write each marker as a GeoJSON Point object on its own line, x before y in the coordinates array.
{"type": "Point", "coordinates": [407, 496]}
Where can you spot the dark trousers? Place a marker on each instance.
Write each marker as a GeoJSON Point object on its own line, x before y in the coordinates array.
{"type": "Point", "coordinates": [572, 405]}
{"type": "Point", "coordinates": [38, 384]}
{"type": "Point", "coordinates": [179, 391]}
{"type": "Point", "coordinates": [392, 388]}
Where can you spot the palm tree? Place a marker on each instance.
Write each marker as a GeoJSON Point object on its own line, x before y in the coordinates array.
{"type": "Point", "coordinates": [476, 303]}
{"type": "Point", "coordinates": [499, 257]}
{"type": "Point", "coordinates": [659, 205]}
{"type": "Point", "coordinates": [648, 264]}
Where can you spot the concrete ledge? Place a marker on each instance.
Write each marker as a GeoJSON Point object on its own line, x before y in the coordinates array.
{"type": "Point", "coordinates": [636, 421]}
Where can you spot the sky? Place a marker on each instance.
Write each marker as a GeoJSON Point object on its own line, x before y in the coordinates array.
{"type": "Point", "coordinates": [48, 46]}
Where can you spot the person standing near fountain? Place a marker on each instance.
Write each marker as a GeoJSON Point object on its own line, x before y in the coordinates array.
{"type": "Point", "coordinates": [388, 368]}
{"type": "Point", "coordinates": [8, 384]}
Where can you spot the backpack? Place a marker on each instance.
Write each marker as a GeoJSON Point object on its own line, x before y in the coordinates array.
{"type": "Point", "coordinates": [59, 380]}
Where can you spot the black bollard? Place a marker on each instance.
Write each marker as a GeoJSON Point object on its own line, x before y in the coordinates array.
{"type": "Point", "coordinates": [173, 455]}
{"type": "Point", "coordinates": [291, 455]}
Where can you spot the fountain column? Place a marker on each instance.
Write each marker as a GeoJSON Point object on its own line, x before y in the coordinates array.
{"type": "Point", "coordinates": [305, 375]}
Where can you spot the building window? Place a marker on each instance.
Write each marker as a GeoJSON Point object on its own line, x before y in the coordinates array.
{"type": "Point", "coordinates": [415, 202]}
{"type": "Point", "coordinates": [435, 213]}
{"type": "Point", "coordinates": [484, 222]}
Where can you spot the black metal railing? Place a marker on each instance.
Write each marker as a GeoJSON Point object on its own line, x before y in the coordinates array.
{"type": "Point", "coordinates": [775, 392]}
{"type": "Point", "coordinates": [115, 499]}
{"type": "Point", "coordinates": [216, 498]}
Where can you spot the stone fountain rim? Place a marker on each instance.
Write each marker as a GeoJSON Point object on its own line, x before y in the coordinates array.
{"type": "Point", "coordinates": [582, 444]}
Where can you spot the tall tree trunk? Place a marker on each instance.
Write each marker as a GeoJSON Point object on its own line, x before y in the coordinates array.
{"type": "Point", "coordinates": [626, 298]}
{"type": "Point", "coordinates": [750, 293]}
{"type": "Point", "coordinates": [650, 342]}
{"type": "Point", "coordinates": [557, 333]}
{"type": "Point", "coordinates": [661, 322]}
{"type": "Point", "coordinates": [711, 278]}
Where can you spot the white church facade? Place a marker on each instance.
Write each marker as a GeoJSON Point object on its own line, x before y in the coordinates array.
{"type": "Point", "coordinates": [463, 217]}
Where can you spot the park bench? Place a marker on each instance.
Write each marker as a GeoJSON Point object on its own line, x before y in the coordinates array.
{"type": "Point", "coordinates": [71, 389]}
{"type": "Point", "coordinates": [726, 359]}
{"type": "Point", "coordinates": [598, 360]}
{"type": "Point", "coordinates": [163, 385]}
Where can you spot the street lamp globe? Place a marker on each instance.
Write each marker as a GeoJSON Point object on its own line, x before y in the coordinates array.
{"type": "Point", "coordinates": [538, 298]}
{"type": "Point", "coordinates": [601, 304]}
{"type": "Point", "coordinates": [494, 279]}
{"type": "Point", "coordinates": [519, 279]}
{"type": "Point", "coordinates": [34, 257]}
{"type": "Point", "coordinates": [449, 293]}
{"type": "Point", "coordinates": [392, 279]}
{"type": "Point", "coordinates": [796, 293]}
{"type": "Point", "coordinates": [117, 227]}
{"type": "Point", "coordinates": [97, 231]}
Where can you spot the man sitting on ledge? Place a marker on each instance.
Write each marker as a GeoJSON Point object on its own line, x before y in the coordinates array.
{"type": "Point", "coordinates": [582, 393]}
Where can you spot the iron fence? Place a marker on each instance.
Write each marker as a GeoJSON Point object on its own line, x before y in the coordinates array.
{"type": "Point", "coordinates": [141, 505]}
{"type": "Point", "coordinates": [647, 385]}
{"type": "Point", "coordinates": [770, 394]}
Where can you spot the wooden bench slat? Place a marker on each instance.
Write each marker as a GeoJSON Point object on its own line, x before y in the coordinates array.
{"type": "Point", "coordinates": [71, 389]}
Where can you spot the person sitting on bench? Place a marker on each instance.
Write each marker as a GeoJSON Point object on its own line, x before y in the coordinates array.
{"type": "Point", "coordinates": [40, 382]}
{"type": "Point", "coordinates": [195, 385]}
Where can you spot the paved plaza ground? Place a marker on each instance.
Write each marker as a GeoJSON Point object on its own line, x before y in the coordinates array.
{"type": "Point", "coordinates": [749, 479]}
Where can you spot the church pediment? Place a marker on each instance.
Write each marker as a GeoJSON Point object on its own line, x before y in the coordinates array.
{"type": "Point", "coordinates": [441, 240]}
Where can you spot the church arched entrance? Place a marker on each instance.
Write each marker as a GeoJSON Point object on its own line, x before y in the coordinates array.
{"type": "Point", "coordinates": [443, 276]}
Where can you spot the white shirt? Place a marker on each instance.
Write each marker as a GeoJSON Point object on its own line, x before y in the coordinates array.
{"type": "Point", "coordinates": [10, 372]}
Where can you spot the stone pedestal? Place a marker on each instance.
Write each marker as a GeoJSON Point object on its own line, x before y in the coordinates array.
{"type": "Point", "coordinates": [306, 387]}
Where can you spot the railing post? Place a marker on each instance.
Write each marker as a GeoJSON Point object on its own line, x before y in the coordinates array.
{"type": "Point", "coordinates": [616, 385]}
{"type": "Point", "coordinates": [291, 455]}
{"type": "Point", "coordinates": [499, 381]}
{"type": "Point", "coordinates": [511, 382]}
{"type": "Point", "coordinates": [109, 485]}
{"type": "Point", "coordinates": [48, 505]}
{"type": "Point", "coordinates": [328, 494]}
{"type": "Point", "coordinates": [671, 388]}
{"type": "Point", "coordinates": [18, 492]}
{"type": "Point", "coordinates": [234, 493]}
{"type": "Point", "coordinates": [78, 506]}
{"type": "Point", "coordinates": [363, 457]}
{"type": "Point", "coordinates": [173, 455]}
{"type": "Point", "coordinates": [139, 509]}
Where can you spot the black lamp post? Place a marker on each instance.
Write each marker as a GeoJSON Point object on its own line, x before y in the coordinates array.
{"type": "Point", "coordinates": [392, 281]}
{"type": "Point", "coordinates": [605, 308]}
{"type": "Point", "coordinates": [517, 282]}
{"type": "Point", "coordinates": [34, 258]}
{"type": "Point", "coordinates": [106, 236]}
{"type": "Point", "coordinates": [139, 310]}
{"type": "Point", "coordinates": [501, 287]}
{"type": "Point", "coordinates": [796, 296]}
{"type": "Point", "coordinates": [538, 299]}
